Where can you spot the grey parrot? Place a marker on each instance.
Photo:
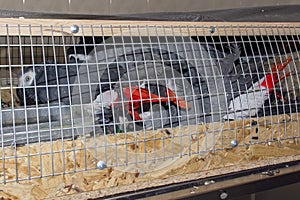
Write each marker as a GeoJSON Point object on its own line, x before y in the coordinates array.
{"type": "Point", "coordinates": [165, 99]}
{"type": "Point", "coordinates": [248, 86]}
{"type": "Point", "coordinates": [46, 83]}
{"type": "Point", "coordinates": [215, 79]}
{"type": "Point", "coordinates": [218, 81]}
{"type": "Point", "coordinates": [156, 71]}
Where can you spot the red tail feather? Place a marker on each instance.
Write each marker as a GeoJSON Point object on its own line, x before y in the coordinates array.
{"type": "Point", "coordinates": [142, 95]}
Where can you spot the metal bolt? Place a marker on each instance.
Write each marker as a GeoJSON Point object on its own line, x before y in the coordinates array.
{"type": "Point", "coordinates": [209, 182]}
{"type": "Point", "coordinates": [101, 165]}
{"type": "Point", "coordinates": [212, 29]}
{"type": "Point", "coordinates": [234, 143]}
{"type": "Point", "coordinates": [74, 28]}
{"type": "Point", "coordinates": [223, 195]}
{"type": "Point", "coordinates": [268, 173]}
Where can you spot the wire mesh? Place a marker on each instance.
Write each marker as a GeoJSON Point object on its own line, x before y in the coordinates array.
{"type": "Point", "coordinates": [137, 98]}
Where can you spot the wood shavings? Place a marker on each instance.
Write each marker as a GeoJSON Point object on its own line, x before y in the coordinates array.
{"type": "Point", "coordinates": [197, 144]}
{"type": "Point", "coordinates": [8, 99]}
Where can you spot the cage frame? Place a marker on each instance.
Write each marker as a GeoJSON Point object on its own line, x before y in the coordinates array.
{"type": "Point", "coordinates": [58, 27]}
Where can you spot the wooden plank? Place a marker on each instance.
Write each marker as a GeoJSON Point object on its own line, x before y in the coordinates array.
{"type": "Point", "coordinates": [59, 27]}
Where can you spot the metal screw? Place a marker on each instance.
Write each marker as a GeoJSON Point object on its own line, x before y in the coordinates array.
{"type": "Point", "coordinates": [212, 29]}
{"type": "Point", "coordinates": [223, 195]}
{"type": "Point", "coordinates": [234, 143]}
{"type": "Point", "coordinates": [209, 182]}
{"type": "Point", "coordinates": [268, 173]}
{"type": "Point", "coordinates": [101, 165]}
{"type": "Point", "coordinates": [74, 28]}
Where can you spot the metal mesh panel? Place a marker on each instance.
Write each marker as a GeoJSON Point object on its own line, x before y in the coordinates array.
{"type": "Point", "coordinates": [137, 98]}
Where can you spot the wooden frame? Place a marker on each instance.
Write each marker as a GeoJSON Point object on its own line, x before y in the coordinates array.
{"type": "Point", "coordinates": [58, 27]}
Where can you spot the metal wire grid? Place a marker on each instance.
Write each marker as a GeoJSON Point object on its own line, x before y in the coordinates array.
{"type": "Point", "coordinates": [77, 100]}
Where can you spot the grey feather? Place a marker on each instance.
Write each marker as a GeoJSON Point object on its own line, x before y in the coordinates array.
{"type": "Point", "coordinates": [48, 84]}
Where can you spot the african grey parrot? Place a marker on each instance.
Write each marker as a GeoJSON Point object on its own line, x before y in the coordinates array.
{"type": "Point", "coordinates": [247, 84]}
{"type": "Point", "coordinates": [118, 64]}
{"type": "Point", "coordinates": [216, 79]}
{"type": "Point", "coordinates": [238, 77]}
{"type": "Point", "coordinates": [160, 81]}
{"type": "Point", "coordinates": [159, 72]}
{"type": "Point", "coordinates": [46, 83]}
{"type": "Point", "coordinates": [46, 90]}
{"type": "Point", "coordinates": [209, 82]}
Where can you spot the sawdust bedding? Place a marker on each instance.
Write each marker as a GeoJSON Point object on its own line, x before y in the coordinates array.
{"type": "Point", "coordinates": [199, 147]}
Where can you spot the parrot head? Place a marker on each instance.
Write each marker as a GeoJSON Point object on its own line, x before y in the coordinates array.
{"type": "Point", "coordinates": [29, 77]}
{"type": "Point", "coordinates": [26, 78]}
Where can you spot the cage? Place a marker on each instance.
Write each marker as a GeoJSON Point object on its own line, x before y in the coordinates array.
{"type": "Point", "coordinates": [109, 107]}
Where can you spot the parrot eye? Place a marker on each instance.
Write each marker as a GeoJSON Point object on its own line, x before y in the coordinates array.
{"type": "Point", "coordinates": [27, 78]}
{"type": "Point", "coordinates": [72, 58]}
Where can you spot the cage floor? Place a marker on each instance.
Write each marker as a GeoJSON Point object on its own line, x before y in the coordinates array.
{"type": "Point", "coordinates": [170, 170]}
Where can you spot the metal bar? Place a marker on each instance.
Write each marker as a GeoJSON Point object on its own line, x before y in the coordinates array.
{"type": "Point", "coordinates": [234, 185]}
